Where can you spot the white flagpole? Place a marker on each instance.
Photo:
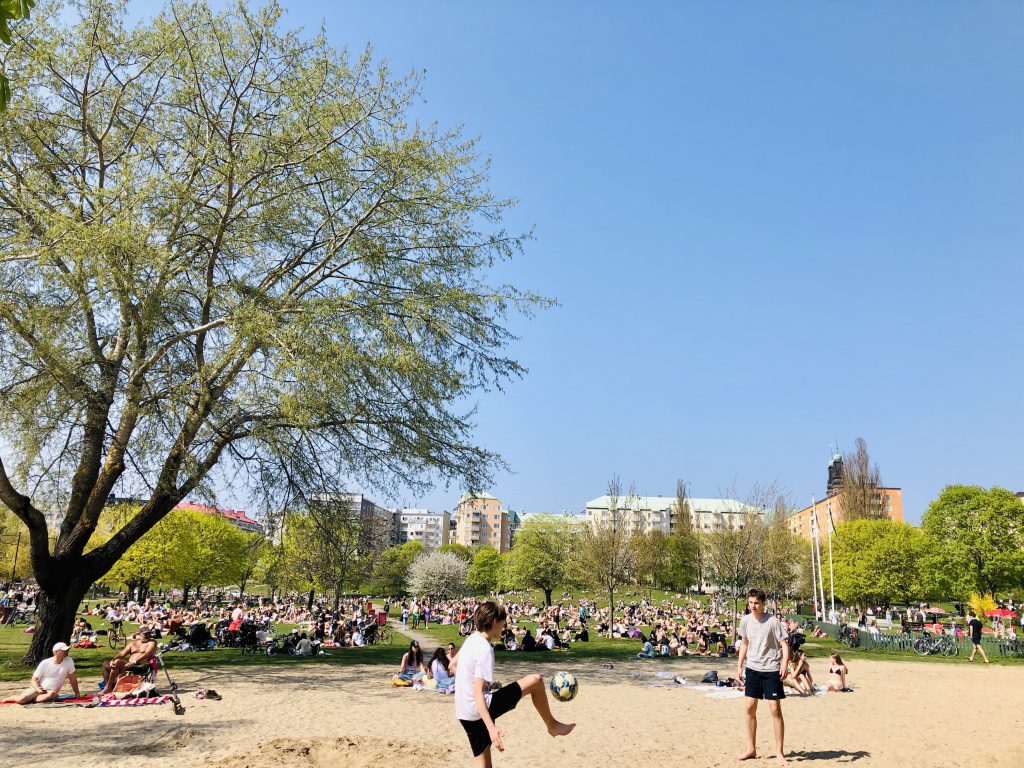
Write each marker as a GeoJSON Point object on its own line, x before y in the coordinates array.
{"type": "Point", "coordinates": [814, 577]}
{"type": "Point", "coordinates": [831, 572]}
{"type": "Point", "coordinates": [821, 576]}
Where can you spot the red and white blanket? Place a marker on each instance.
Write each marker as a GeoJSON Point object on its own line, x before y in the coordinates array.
{"type": "Point", "coordinates": [112, 702]}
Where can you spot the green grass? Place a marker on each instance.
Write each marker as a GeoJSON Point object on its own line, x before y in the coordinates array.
{"type": "Point", "coordinates": [88, 661]}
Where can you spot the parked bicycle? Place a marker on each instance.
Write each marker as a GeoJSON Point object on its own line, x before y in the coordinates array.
{"type": "Point", "coordinates": [21, 616]}
{"type": "Point", "coordinates": [378, 633]}
{"type": "Point", "coordinates": [848, 636]}
{"type": "Point", "coordinates": [115, 635]}
{"type": "Point", "coordinates": [936, 644]}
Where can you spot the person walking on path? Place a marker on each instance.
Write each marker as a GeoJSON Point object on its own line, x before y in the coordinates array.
{"type": "Point", "coordinates": [765, 653]}
{"type": "Point", "coordinates": [974, 627]}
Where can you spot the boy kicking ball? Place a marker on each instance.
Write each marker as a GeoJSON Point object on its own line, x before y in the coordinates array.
{"type": "Point", "coordinates": [476, 708]}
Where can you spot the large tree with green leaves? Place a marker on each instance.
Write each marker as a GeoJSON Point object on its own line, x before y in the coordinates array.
{"type": "Point", "coordinates": [484, 570]}
{"type": "Point", "coordinates": [391, 571]}
{"type": "Point", "coordinates": [225, 249]}
{"type": "Point", "coordinates": [540, 554]}
{"type": "Point", "coordinates": [10, 10]}
{"type": "Point", "coordinates": [878, 562]}
{"type": "Point", "coordinates": [980, 535]}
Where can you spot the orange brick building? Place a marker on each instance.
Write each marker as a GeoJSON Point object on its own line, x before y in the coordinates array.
{"type": "Point", "coordinates": [888, 500]}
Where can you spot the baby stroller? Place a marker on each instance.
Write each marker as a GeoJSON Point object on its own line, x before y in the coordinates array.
{"type": "Point", "coordinates": [199, 637]}
{"type": "Point", "coordinates": [247, 639]}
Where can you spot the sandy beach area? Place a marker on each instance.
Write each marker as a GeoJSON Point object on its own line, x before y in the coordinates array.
{"type": "Point", "coordinates": [900, 714]}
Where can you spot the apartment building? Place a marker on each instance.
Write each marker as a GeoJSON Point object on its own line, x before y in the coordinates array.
{"type": "Point", "coordinates": [480, 520]}
{"type": "Point", "coordinates": [641, 514]}
{"type": "Point", "coordinates": [432, 529]}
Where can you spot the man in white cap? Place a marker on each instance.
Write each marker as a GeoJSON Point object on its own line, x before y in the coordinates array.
{"type": "Point", "coordinates": [49, 678]}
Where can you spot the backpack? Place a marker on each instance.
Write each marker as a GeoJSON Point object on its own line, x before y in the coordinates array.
{"type": "Point", "coordinates": [710, 677]}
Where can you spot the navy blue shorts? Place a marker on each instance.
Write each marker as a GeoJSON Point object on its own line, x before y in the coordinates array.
{"type": "Point", "coordinates": [763, 685]}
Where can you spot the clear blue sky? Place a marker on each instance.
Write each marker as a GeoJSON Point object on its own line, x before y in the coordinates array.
{"type": "Point", "coordinates": [769, 227]}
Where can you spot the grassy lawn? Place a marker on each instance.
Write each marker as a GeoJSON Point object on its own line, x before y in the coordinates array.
{"type": "Point", "coordinates": [14, 643]}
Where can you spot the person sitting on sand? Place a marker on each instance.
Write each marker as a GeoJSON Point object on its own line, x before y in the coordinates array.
{"type": "Point", "coordinates": [438, 669]}
{"type": "Point", "coordinates": [49, 678]}
{"type": "Point", "coordinates": [799, 678]}
{"type": "Point", "coordinates": [837, 673]}
{"type": "Point", "coordinates": [133, 658]}
{"type": "Point", "coordinates": [411, 668]}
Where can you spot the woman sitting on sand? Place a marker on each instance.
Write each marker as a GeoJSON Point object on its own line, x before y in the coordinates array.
{"type": "Point", "coordinates": [837, 673]}
{"type": "Point", "coordinates": [412, 668]}
{"type": "Point", "coordinates": [799, 678]}
{"type": "Point", "coordinates": [438, 669]}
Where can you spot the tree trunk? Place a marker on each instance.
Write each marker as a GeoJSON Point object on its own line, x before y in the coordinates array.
{"type": "Point", "coordinates": [55, 616]}
{"type": "Point", "coordinates": [547, 597]}
{"type": "Point", "coordinates": [611, 611]}
{"type": "Point", "coordinates": [309, 603]}
{"type": "Point", "coordinates": [184, 594]}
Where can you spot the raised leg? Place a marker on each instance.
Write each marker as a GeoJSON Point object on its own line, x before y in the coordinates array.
{"type": "Point", "coordinates": [534, 686]}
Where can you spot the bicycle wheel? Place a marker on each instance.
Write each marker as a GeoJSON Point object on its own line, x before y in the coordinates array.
{"type": "Point", "coordinates": [115, 639]}
{"type": "Point", "coordinates": [846, 639]}
{"type": "Point", "coordinates": [949, 647]}
{"type": "Point", "coordinates": [922, 647]}
{"type": "Point", "coordinates": [384, 636]}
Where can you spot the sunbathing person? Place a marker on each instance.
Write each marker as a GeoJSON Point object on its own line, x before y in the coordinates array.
{"type": "Point", "coordinates": [49, 678]}
{"type": "Point", "coordinates": [133, 658]}
{"type": "Point", "coordinates": [799, 678]}
{"type": "Point", "coordinates": [837, 673]}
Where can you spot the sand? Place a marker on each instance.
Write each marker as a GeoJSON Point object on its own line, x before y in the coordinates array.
{"type": "Point", "coordinates": [901, 714]}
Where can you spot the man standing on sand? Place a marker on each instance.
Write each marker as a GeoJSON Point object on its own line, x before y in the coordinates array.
{"type": "Point", "coordinates": [974, 629]}
{"type": "Point", "coordinates": [476, 706]}
{"type": "Point", "coordinates": [764, 649]}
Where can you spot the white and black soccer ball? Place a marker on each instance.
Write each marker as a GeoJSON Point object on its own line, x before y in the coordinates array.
{"type": "Point", "coordinates": [563, 686]}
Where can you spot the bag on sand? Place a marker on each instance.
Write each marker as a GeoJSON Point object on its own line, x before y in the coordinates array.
{"type": "Point", "coordinates": [710, 677]}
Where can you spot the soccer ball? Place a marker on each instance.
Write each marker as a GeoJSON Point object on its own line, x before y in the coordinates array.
{"type": "Point", "coordinates": [563, 686]}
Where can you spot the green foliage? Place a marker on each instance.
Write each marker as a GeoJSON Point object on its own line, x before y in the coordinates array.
{"type": "Point", "coordinates": [205, 550]}
{"type": "Point", "coordinates": [460, 550]}
{"type": "Point", "coordinates": [650, 558]}
{"type": "Point", "coordinates": [540, 554]}
{"type": "Point", "coordinates": [878, 561]}
{"type": "Point", "coordinates": [484, 570]}
{"type": "Point", "coordinates": [391, 573]}
{"type": "Point", "coordinates": [265, 268]}
{"type": "Point", "coordinates": [981, 537]}
{"type": "Point", "coordinates": [684, 556]}
{"type": "Point", "coordinates": [10, 10]}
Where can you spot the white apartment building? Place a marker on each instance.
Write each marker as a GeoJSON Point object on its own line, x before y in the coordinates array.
{"type": "Point", "coordinates": [430, 528]}
{"type": "Point", "coordinates": [647, 513]}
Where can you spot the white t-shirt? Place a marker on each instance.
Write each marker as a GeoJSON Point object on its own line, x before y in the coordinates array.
{"type": "Point", "coordinates": [237, 614]}
{"type": "Point", "coordinates": [51, 675]}
{"type": "Point", "coordinates": [476, 660]}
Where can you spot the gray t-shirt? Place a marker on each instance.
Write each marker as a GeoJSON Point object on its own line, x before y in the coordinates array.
{"type": "Point", "coordinates": [764, 642]}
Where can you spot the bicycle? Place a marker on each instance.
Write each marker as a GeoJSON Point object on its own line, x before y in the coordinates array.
{"type": "Point", "coordinates": [21, 616]}
{"type": "Point", "coordinates": [379, 633]}
{"type": "Point", "coordinates": [115, 636]}
{"type": "Point", "coordinates": [937, 644]}
{"type": "Point", "coordinates": [848, 636]}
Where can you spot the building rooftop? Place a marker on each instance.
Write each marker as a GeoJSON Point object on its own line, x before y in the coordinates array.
{"type": "Point", "coordinates": [667, 503]}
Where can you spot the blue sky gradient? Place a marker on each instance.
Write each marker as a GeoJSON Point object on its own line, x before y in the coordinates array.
{"type": "Point", "coordinates": [769, 227]}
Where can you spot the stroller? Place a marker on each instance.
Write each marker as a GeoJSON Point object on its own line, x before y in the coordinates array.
{"type": "Point", "coordinates": [199, 637]}
{"type": "Point", "coordinates": [247, 639]}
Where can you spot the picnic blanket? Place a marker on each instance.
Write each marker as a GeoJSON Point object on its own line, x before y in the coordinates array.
{"type": "Point", "coordinates": [137, 702]}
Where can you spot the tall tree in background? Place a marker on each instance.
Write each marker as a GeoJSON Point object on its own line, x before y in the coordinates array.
{"type": "Point", "coordinates": [685, 545]}
{"type": "Point", "coordinates": [980, 537]}
{"type": "Point", "coordinates": [225, 250]}
{"type": "Point", "coordinates": [540, 554]}
{"type": "Point", "coordinates": [650, 558]}
{"type": "Point", "coordinates": [439, 574]}
{"type": "Point", "coordinates": [606, 557]}
{"type": "Point", "coordinates": [878, 561]}
{"type": "Point", "coordinates": [391, 572]}
{"type": "Point", "coordinates": [861, 481]}
{"type": "Point", "coordinates": [482, 576]}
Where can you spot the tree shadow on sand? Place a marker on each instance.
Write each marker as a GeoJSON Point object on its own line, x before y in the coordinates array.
{"type": "Point", "coordinates": [837, 755]}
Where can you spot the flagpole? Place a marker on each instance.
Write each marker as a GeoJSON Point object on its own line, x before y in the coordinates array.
{"type": "Point", "coordinates": [817, 540]}
{"type": "Point", "coordinates": [831, 572]}
{"type": "Point", "coordinates": [814, 582]}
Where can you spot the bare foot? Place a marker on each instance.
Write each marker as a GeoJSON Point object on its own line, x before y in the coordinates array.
{"type": "Point", "coordinates": [782, 759]}
{"type": "Point", "coordinates": [750, 754]}
{"type": "Point", "coordinates": [561, 729]}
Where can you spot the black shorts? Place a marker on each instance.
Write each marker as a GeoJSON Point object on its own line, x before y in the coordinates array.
{"type": "Point", "coordinates": [976, 642]}
{"type": "Point", "coordinates": [763, 685]}
{"type": "Point", "coordinates": [504, 700]}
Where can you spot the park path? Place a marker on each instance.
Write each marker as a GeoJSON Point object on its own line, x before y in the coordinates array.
{"type": "Point", "coordinates": [425, 640]}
